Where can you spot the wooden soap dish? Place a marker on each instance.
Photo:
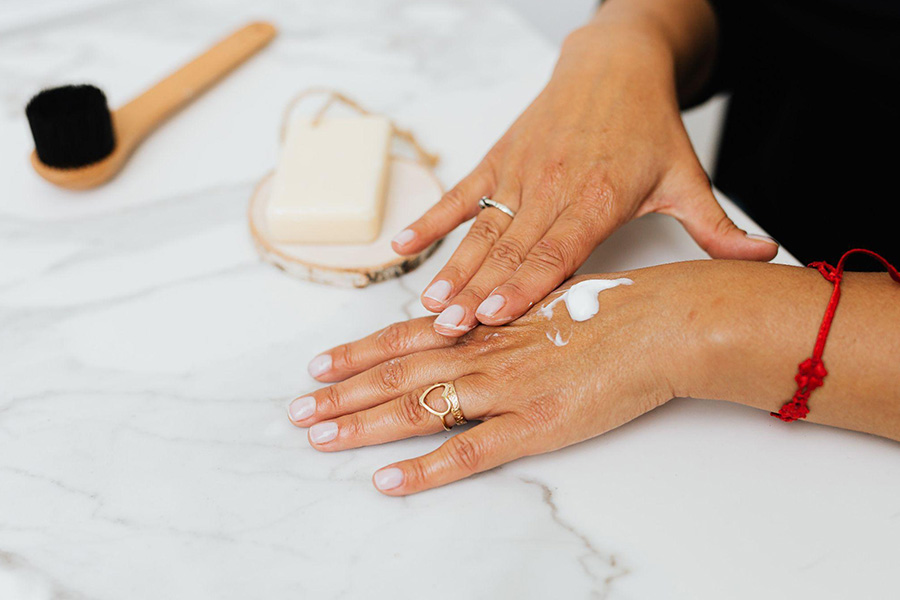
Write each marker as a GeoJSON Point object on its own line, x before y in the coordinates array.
{"type": "Point", "coordinates": [413, 189]}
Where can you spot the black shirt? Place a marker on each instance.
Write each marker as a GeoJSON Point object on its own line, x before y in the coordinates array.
{"type": "Point", "coordinates": [810, 148]}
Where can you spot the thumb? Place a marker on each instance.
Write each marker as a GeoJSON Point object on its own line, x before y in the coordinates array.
{"type": "Point", "coordinates": [717, 234]}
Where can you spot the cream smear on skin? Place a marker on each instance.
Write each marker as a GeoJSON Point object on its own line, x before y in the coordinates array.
{"type": "Point", "coordinates": [556, 339]}
{"type": "Point", "coordinates": [581, 299]}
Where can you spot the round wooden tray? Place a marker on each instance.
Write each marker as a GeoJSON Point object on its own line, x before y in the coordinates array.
{"type": "Point", "coordinates": [412, 190]}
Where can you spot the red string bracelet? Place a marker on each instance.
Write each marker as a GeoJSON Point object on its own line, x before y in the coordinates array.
{"type": "Point", "coordinates": [811, 372]}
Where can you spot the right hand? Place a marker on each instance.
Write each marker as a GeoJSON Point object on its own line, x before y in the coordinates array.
{"type": "Point", "coordinates": [602, 144]}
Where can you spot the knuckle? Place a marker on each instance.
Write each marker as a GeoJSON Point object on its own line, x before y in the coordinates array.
{"type": "Point", "coordinates": [484, 231]}
{"type": "Point", "coordinates": [465, 454]}
{"type": "Point", "coordinates": [452, 273]}
{"type": "Point", "coordinates": [724, 225]}
{"type": "Point", "coordinates": [507, 253]}
{"type": "Point", "coordinates": [710, 240]}
{"type": "Point", "coordinates": [353, 427]}
{"type": "Point", "coordinates": [516, 288]}
{"type": "Point", "coordinates": [454, 200]}
{"type": "Point", "coordinates": [394, 339]}
{"type": "Point", "coordinates": [582, 235]}
{"type": "Point", "coordinates": [466, 343]}
{"type": "Point", "coordinates": [471, 296]}
{"type": "Point", "coordinates": [492, 161]}
{"type": "Point", "coordinates": [410, 413]}
{"type": "Point", "coordinates": [329, 401]}
{"type": "Point", "coordinates": [598, 202]}
{"type": "Point", "coordinates": [472, 346]}
{"type": "Point", "coordinates": [415, 474]}
{"type": "Point", "coordinates": [543, 411]}
{"type": "Point", "coordinates": [547, 188]}
{"type": "Point", "coordinates": [554, 173]}
{"type": "Point", "coordinates": [344, 357]}
{"type": "Point", "coordinates": [601, 191]}
{"type": "Point", "coordinates": [392, 376]}
{"type": "Point", "coordinates": [551, 255]}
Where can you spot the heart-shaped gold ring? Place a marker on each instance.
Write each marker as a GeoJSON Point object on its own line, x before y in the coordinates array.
{"type": "Point", "coordinates": [452, 404]}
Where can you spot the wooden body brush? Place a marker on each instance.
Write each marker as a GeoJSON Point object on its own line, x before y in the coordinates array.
{"type": "Point", "coordinates": [80, 144]}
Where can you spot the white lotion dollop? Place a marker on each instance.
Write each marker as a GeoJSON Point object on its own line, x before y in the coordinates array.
{"type": "Point", "coordinates": [581, 299]}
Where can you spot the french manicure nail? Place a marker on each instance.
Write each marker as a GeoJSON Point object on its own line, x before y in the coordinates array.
{"type": "Point", "coordinates": [320, 365]}
{"type": "Point", "coordinates": [302, 408]}
{"type": "Point", "coordinates": [388, 479]}
{"type": "Point", "coordinates": [491, 305]}
{"type": "Point", "coordinates": [404, 237]}
{"type": "Point", "coordinates": [438, 291]}
{"type": "Point", "coordinates": [761, 238]}
{"type": "Point", "coordinates": [323, 432]}
{"type": "Point", "coordinates": [451, 317]}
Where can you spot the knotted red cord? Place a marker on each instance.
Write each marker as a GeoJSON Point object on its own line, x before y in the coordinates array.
{"type": "Point", "coordinates": [811, 372]}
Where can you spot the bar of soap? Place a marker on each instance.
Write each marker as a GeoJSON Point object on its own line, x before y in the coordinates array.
{"type": "Point", "coordinates": [330, 182]}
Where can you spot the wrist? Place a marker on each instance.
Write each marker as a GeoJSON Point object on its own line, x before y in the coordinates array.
{"type": "Point", "coordinates": [627, 58]}
{"type": "Point", "coordinates": [600, 42]}
{"type": "Point", "coordinates": [682, 31]}
{"type": "Point", "coordinates": [756, 322]}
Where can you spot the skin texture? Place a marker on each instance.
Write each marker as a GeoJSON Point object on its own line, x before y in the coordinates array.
{"type": "Point", "coordinates": [602, 144]}
{"type": "Point", "coordinates": [728, 330]}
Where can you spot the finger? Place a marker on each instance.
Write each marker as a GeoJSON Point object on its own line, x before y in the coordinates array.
{"type": "Point", "coordinates": [398, 419]}
{"type": "Point", "coordinates": [381, 383]}
{"type": "Point", "coordinates": [507, 255]}
{"type": "Point", "coordinates": [456, 206]}
{"type": "Point", "coordinates": [394, 341]}
{"type": "Point", "coordinates": [485, 446]}
{"type": "Point", "coordinates": [469, 256]}
{"type": "Point", "coordinates": [550, 262]}
{"type": "Point", "coordinates": [707, 223]}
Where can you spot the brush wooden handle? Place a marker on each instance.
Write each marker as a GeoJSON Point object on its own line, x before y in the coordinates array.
{"type": "Point", "coordinates": [143, 114]}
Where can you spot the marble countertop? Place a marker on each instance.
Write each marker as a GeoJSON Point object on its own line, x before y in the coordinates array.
{"type": "Point", "coordinates": [147, 356]}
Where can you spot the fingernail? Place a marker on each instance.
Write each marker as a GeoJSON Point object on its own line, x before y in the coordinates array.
{"type": "Point", "coordinates": [438, 291]}
{"type": "Point", "coordinates": [388, 479]}
{"type": "Point", "coordinates": [404, 237]}
{"type": "Point", "coordinates": [302, 408]}
{"type": "Point", "coordinates": [761, 238]}
{"type": "Point", "coordinates": [323, 432]}
{"type": "Point", "coordinates": [320, 365]}
{"type": "Point", "coordinates": [451, 317]}
{"type": "Point", "coordinates": [489, 307]}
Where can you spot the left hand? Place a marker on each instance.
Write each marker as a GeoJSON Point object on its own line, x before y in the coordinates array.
{"type": "Point", "coordinates": [601, 145]}
{"type": "Point", "coordinates": [532, 394]}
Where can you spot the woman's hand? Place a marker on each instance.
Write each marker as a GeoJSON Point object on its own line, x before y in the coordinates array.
{"type": "Point", "coordinates": [730, 330]}
{"type": "Point", "coordinates": [602, 144]}
{"type": "Point", "coordinates": [538, 384]}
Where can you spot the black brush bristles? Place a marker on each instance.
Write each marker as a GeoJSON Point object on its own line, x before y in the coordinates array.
{"type": "Point", "coordinates": [71, 125]}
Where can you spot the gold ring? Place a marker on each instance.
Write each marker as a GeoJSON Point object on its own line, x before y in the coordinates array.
{"type": "Point", "coordinates": [452, 408]}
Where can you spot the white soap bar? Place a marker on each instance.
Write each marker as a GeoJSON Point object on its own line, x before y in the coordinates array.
{"type": "Point", "coordinates": [330, 182]}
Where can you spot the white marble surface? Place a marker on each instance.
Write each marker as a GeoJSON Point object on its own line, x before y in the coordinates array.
{"type": "Point", "coordinates": [146, 358]}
